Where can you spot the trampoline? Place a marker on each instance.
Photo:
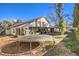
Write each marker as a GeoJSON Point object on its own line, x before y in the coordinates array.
{"type": "Point", "coordinates": [35, 38]}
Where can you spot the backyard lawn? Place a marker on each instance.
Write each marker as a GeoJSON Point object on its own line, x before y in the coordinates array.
{"type": "Point", "coordinates": [69, 46]}
{"type": "Point", "coordinates": [72, 43]}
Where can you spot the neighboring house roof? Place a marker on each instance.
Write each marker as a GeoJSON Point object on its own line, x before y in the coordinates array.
{"type": "Point", "coordinates": [27, 22]}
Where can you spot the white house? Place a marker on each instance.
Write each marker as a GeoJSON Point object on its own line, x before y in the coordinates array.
{"type": "Point", "coordinates": [24, 28]}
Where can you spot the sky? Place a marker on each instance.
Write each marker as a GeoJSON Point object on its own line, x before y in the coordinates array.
{"type": "Point", "coordinates": [69, 10]}
{"type": "Point", "coordinates": [28, 11]}
{"type": "Point", "coordinates": [23, 11]}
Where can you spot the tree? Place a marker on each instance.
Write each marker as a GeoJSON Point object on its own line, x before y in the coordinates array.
{"type": "Point", "coordinates": [61, 24]}
{"type": "Point", "coordinates": [76, 15]}
{"type": "Point", "coordinates": [6, 24]}
{"type": "Point", "coordinates": [76, 21]}
{"type": "Point", "coordinates": [57, 9]}
{"type": "Point", "coordinates": [55, 13]}
{"type": "Point", "coordinates": [59, 15]}
{"type": "Point", "coordinates": [19, 21]}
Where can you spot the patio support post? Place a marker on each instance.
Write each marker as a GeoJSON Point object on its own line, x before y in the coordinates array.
{"type": "Point", "coordinates": [43, 46]}
{"type": "Point", "coordinates": [18, 46]}
{"type": "Point", "coordinates": [30, 48]}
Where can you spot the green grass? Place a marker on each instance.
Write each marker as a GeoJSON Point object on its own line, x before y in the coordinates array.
{"type": "Point", "coordinates": [48, 43]}
{"type": "Point", "coordinates": [72, 42]}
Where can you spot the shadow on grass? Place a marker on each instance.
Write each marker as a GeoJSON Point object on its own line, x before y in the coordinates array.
{"type": "Point", "coordinates": [24, 47]}
{"type": "Point", "coordinates": [72, 43]}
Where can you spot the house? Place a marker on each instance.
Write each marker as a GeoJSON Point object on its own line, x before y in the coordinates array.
{"type": "Point", "coordinates": [2, 30]}
{"type": "Point", "coordinates": [40, 24]}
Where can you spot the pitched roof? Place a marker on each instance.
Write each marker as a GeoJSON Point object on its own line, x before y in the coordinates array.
{"type": "Point", "coordinates": [27, 22]}
{"type": "Point", "coordinates": [35, 19]}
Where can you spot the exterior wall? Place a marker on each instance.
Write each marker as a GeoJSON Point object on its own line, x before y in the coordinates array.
{"type": "Point", "coordinates": [8, 32]}
{"type": "Point", "coordinates": [42, 22]}
{"type": "Point", "coordinates": [13, 31]}
{"type": "Point", "coordinates": [32, 24]}
{"type": "Point", "coordinates": [27, 31]}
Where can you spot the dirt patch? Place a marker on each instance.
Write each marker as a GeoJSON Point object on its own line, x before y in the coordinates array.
{"type": "Point", "coordinates": [6, 40]}
{"type": "Point", "coordinates": [8, 47]}
{"type": "Point", "coordinates": [24, 47]}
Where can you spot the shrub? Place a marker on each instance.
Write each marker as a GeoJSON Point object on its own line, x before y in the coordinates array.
{"type": "Point", "coordinates": [77, 34]}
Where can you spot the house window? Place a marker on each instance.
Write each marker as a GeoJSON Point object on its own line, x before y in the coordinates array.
{"type": "Point", "coordinates": [44, 24]}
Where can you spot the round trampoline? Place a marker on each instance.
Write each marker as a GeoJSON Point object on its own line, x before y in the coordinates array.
{"type": "Point", "coordinates": [34, 38]}
{"type": "Point", "coordinates": [43, 39]}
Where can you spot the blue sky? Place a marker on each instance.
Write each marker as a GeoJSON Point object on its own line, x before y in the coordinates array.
{"type": "Point", "coordinates": [69, 10]}
{"type": "Point", "coordinates": [27, 11]}
{"type": "Point", "coordinates": [23, 11]}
